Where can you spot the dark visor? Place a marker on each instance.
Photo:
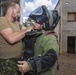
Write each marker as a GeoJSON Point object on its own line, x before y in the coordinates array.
{"type": "Point", "coordinates": [37, 11]}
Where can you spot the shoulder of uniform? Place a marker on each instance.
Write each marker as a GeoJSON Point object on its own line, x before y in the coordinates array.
{"type": "Point", "coordinates": [49, 36]}
{"type": "Point", "coordinates": [2, 18]}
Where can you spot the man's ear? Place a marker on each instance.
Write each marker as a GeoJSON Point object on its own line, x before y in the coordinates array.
{"type": "Point", "coordinates": [10, 9]}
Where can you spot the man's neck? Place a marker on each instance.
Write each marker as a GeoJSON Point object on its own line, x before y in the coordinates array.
{"type": "Point", "coordinates": [9, 18]}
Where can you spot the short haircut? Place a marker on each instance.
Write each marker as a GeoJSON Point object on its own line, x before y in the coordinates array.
{"type": "Point", "coordinates": [10, 4]}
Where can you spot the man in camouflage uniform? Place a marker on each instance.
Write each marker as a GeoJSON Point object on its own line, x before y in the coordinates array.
{"type": "Point", "coordinates": [11, 33]}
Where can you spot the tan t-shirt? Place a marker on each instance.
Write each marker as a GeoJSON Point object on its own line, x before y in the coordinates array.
{"type": "Point", "coordinates": [8, 50]}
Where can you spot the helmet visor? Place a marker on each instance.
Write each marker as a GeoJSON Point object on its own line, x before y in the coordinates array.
{"type": "Point", "coordinates": [37, 11]}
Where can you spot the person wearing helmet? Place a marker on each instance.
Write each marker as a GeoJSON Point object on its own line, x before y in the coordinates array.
{"type": "Point", "coordinates": [41, 47]}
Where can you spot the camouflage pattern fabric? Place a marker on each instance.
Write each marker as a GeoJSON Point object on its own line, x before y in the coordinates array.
{"type": "Point", "coordinates": [8, 67]}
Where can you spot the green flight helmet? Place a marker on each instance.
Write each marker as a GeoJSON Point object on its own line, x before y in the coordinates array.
{"type": "Point", "coordinates": [45, 17]}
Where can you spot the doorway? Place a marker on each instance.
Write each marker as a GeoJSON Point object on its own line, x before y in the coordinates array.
{"type": "Point", "coordinates": [71, 44]}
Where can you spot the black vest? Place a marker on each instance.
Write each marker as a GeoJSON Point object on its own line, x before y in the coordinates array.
{"type": "Point", "coordinates": [29, 42]}
{"type": "Point", "coordinates": [28, 47]}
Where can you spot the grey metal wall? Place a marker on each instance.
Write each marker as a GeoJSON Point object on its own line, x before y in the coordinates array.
{"type": "Point", "coordinates": [66, 28]}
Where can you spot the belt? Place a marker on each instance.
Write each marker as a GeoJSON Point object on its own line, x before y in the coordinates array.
{"type": "Point", "coordinates": [12, 59]}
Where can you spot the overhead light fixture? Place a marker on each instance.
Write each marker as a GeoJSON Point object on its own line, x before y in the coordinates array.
{"type": "Point", "coordinates": [67, 2]}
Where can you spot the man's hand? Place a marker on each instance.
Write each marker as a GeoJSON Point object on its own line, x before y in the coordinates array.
{"type": "Point", "coordinates": [29, 28]}
{"type": "Point", "coordinates": [23, 66]}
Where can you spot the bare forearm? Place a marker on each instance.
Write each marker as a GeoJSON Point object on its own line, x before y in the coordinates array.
{"type": "Point", "coordinates": [18, 36]}
{"type": "Point", "coordinates": [13, 37]}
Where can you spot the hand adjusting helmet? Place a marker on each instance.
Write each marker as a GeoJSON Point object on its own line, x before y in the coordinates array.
{"type": "Point", "coordinates": [45, 17]}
